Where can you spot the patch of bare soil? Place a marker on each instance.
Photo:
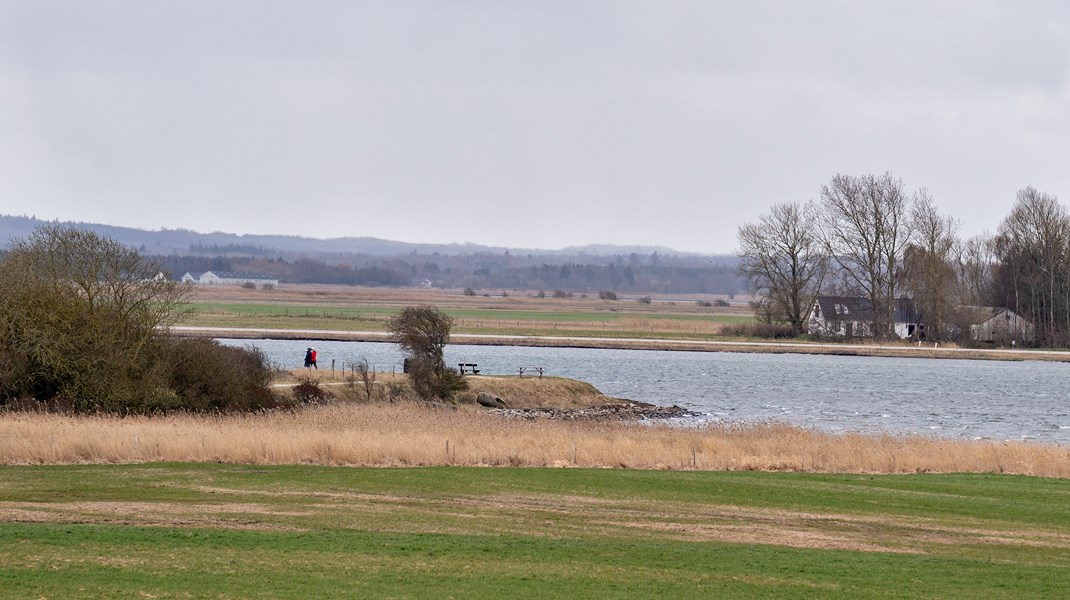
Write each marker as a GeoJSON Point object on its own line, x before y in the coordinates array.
{"type": "Point", "coordinates": [550, 516]}
{"type": "Point", "coordinates": [160, 514]}
{"type": "Point", "coordinates": [728, 523]}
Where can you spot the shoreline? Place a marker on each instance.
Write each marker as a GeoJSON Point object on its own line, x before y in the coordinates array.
{"type": "Point", "coordinates": [878, 350]}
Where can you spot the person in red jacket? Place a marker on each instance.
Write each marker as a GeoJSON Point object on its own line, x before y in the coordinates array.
{"type": "Point", "coordinates": [314, 359]}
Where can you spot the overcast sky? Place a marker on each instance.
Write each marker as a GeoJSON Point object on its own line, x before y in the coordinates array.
{"type": "Point", "coordinates": [537, 124]}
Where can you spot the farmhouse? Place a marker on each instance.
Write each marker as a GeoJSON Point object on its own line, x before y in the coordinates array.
{"type": "Point", "coordinates": [849, 316]}
{"type": "Point", "coordinates": [994, 325]}
{"type": "Point", "coordinates": [230, 278]}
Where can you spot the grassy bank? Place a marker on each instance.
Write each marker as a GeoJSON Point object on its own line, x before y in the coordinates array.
{"type": "Point", "coordinates": [229, 531]}
{"type": "Point", "coordinates": [518, 392]}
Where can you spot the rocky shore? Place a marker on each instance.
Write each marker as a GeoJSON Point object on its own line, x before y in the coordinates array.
{"type": "Point", "coordinates": [630, 411]}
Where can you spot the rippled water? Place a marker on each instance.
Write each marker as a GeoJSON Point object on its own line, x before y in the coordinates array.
{"type": "Point", "coordinates": [952, 398]}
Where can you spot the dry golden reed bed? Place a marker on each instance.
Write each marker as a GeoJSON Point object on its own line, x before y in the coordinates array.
{"type": "Point", "coordinates": [409, 434]}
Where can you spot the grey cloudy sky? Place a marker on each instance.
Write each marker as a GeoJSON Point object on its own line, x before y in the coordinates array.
{"type": "Point", "coordinates": [535, 124]}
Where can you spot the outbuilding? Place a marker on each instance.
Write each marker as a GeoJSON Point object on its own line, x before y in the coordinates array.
{"type": "Point", "coordinates": [231, 278]}
{"type": "Point", "coordinates": [994, 325]}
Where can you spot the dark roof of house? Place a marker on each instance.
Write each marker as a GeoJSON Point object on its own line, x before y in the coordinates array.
{"type": "Point", "coordinates": [975, 315]}
{"type": "Point", "coordinates": [852, 308]}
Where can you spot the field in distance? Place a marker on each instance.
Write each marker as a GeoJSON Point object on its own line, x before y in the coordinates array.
{"type": "Point", "coordinates": [345, 308]}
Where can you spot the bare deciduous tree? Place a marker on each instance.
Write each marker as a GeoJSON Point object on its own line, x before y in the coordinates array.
{"type": "Point", "coordinates": [864, 229]}
{"type": "Point", "coordinates": [976, 263]}
{"type": "Point", "coordinates": [367, 376]}
{"type": "Point", "coordinates": [929, 266]}
{"type": "Point", "coordinates": [783, 260]}
{"type": "Point", "coordinates": [1032, 247]}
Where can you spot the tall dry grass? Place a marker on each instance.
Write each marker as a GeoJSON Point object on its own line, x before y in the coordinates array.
{"type": "Point", "coordinates": [408, 434]}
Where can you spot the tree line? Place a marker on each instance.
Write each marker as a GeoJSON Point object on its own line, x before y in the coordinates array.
{"type": "Point", "coordinates": [869, 236]}
{"type": "Point", "coordinates": [633, 273]}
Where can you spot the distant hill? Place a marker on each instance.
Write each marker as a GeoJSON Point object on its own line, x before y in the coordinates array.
{"type": "Point", "coordinates": [376, 262]}
{"type": "Point", "coordinates": [184, 241]}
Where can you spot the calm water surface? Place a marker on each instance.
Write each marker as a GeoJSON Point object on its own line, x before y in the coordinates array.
{"type": "Point", "coordinates": [950, 398]}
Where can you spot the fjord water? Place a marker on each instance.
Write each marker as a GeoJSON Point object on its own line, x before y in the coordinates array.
{"type": "Point", "coordinates": [1001, 400]}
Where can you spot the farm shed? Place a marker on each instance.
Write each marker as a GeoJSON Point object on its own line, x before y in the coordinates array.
{"type": "Point", "coordinates": [230, 278]}
{"type": "Point", "coordinates": [992, 324]}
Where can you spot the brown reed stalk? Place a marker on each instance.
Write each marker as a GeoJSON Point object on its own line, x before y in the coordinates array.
{"type": "Point", "coordinates": [412, 434]}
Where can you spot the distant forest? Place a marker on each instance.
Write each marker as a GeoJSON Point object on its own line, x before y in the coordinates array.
{"type": "Point", "coordinates": [375, 262]}
{"type": "Point", "coordinates": [629, 274]}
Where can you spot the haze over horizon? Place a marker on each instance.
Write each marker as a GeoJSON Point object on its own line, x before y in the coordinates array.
{"type": "Point", "coordinates": [529, 125]}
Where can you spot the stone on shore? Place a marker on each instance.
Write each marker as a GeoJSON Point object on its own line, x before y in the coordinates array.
{"type": "Point", "coordinates": [490, 400]}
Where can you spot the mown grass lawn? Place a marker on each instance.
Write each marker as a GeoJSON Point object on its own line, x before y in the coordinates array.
{"type": "Point", "coordinates": [236, 531]}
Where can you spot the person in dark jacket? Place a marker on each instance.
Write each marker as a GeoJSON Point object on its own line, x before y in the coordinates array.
{"type": "Point", "coordinates": [308, 358]}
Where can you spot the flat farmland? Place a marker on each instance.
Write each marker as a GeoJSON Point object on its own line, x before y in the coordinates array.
{"type": "Point", "coordinates": [340, 308]}
{"type": "Point", "coordinates": [173, 530]}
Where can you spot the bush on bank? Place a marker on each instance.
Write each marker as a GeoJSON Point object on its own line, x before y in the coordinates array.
{"type": "Point", "coordinates": [83, 323]}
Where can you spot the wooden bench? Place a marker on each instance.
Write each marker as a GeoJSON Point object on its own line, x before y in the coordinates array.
{"type": "Point", "coordinates": [468, 368]}
{"type": "Point", "coordinates": [530, 370]}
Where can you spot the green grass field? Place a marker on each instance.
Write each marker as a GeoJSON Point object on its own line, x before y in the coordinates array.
{"type": "Point", "coordinates": [233, 531]}
{"type": "Point", "coordinates": [586, 323]}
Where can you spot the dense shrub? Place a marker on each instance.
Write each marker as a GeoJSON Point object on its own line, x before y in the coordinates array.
{"type": "Point", "coordinates": [758, 330]}
{"type": "Point", "coordinates": [208, 376]}
{"type": "Point", "coordinates": [81, 316]}
{"type": "Point", "coordinates": [422, 333]}
{"type": "Point", "coordinates": [431, 383]}
{"type": "Point", "coordinates": [309, 391]}
{"type": "Point", "coordinates": [607, 295]}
